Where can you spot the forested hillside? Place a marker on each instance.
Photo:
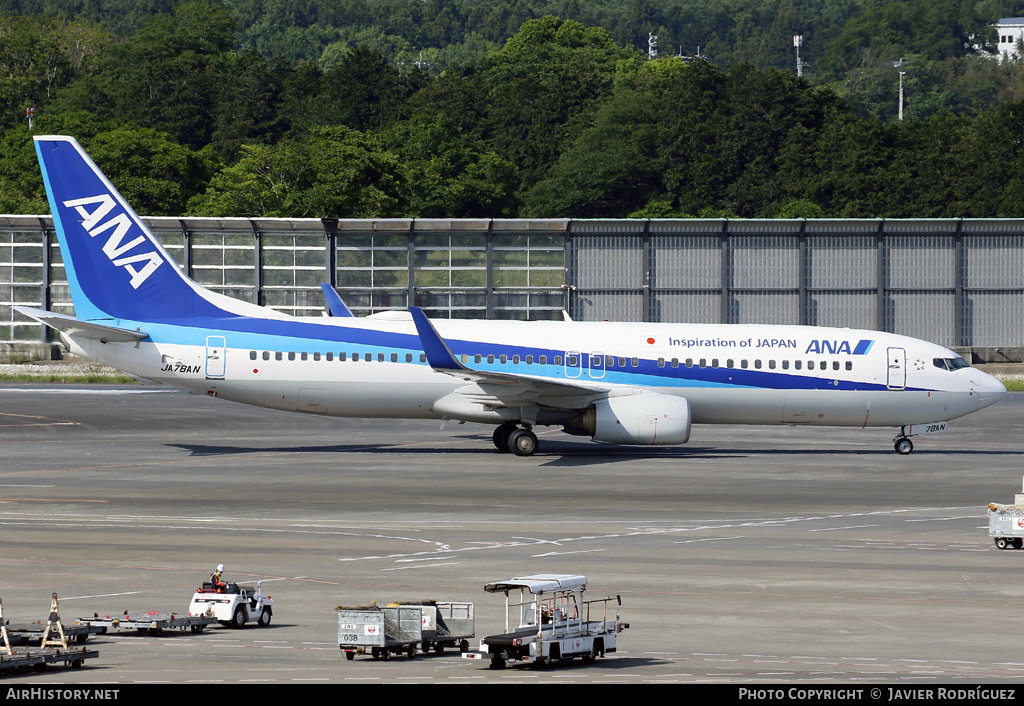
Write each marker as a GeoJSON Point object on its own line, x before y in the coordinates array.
{"type": "Point", "coordinates": [474, 108]}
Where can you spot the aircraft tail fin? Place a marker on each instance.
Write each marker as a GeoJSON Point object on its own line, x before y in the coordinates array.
{"type": "Point", "coordinates": [116, 267]}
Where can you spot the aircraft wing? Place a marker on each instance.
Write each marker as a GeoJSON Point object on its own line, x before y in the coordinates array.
{"type": "Point", "coordinates": [76, 328]}
{"type": "Point", "coordinates": [504, 389]}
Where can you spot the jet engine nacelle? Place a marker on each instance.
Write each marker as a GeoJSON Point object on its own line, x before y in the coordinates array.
{"type": "Point", "coordinates": [640, 419]}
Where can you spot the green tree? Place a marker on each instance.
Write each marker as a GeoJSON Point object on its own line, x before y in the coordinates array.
{"type": "Point", "coordinates": [335, 172]}
{"type": "Point", "coordinates": [541, 87]}
{"type": "Point", "coordinates": [155, 175]}
{"type": "Point", "coordinates": [168, 76]}
{"type": "Point", "coordinates": [447, 175]}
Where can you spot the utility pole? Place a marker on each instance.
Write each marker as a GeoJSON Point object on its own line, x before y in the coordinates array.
{"type": "Point", "coordinates": [899, 65]}
{"type": "Point", "coordinates": [798, 41]}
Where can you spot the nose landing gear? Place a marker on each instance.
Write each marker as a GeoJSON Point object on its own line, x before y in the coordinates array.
{"type": "Point", "coordinates": [902, 442]}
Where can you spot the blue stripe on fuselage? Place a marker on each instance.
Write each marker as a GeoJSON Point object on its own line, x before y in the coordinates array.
{"type": "Point", "coordinates": [286, 335]}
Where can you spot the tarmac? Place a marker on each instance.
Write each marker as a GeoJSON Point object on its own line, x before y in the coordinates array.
{"type": "Point", "coordinates": [752, 555]}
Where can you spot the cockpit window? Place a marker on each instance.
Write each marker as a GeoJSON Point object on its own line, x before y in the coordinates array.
{"type": "Point", "coordinates": [955, 363]}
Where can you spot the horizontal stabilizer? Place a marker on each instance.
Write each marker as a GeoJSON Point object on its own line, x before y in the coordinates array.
{"type": "Point", "coordinates": [76, 328]}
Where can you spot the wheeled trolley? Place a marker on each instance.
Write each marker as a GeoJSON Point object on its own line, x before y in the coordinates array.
{"type": "Point", "coordinates": [1006, 525]}
{"type": "Point", "coordinates": [446, 624]}
{"type": "Point", "coordinates": [379, 632]}
{"type": "Point", "coordinates": [150, 623]}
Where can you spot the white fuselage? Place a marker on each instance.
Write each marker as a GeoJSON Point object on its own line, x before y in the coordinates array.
{"type": "Point", "coordinates": [735, 374]}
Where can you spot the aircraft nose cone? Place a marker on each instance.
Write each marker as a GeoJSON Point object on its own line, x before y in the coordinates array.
{"type": "Point", "coordinates": [989, 391]}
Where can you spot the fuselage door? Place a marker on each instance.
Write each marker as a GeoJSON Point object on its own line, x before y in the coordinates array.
{"type": "Point", "coordinates": [216, 358]}
{"type": "Point", "coordinates": [897, 374]}
{"type": "Point", "coordinates": [573, 364]}
{"type": "Point", "coordinates": [596, 365]}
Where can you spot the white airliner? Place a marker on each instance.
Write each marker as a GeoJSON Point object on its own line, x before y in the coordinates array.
{"type": "Point", "coordinates": [620, 383]}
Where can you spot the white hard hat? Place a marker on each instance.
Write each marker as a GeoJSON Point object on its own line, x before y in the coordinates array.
{"type": "Point", "coordinates": [220, 567]}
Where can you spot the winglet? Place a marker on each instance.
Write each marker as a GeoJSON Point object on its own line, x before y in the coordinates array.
{"type": "Point", "coordinates": [334, 303]}
{"type": "Point", "coordinates": [439, 355]}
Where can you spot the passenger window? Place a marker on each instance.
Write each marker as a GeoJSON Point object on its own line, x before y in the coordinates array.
{"type": "Point", "coordinates": [689, 362]}
{"type": "Point", "coordinates": [675, 362]}
{"type": "Point", "coordinates": [622, 362]}
{"type": "Point", "coordinates": [743, 364]}
{"type": "Point", "coordinates": [380, 357]}
{"type": "Point", "coordinates": [849, 365]}
{"type": "Point", "coordinates": [490, 359]}
{"type": "Point", "coordinates": [703, 363]}
{"type": "Point", "coordinates": [477, 359]}
{"type": "Point", "coordinates": [529, 360]}
{"type": "Point", "coordinates": [252, 355]}
{"type": "Point", "coordinates": [394, 357]}
{"type": "Point", "coordinates": [798, 364]}
{"type": "Point", "coordinates": [543, 360]}
{"type": "Point", "coordinates": [291, 355]}
{"type": "Point", "coordinates": [558, 360]}
{"type": "Point", "coordinates": [835, 365]}
{"type": "Point", "coordinates": [757, 364]}
{"type": "Point", "coordinates": [785, 365]}
{"type": "Point", "coordinates": [771, 365]}
{"type": "Point", "coordinates": [342, 357]}
{"type": "Point", "coordinates": [423, 357]}
{"type": "Point", "coordinates": [714, 362]}
{"type": "Point", "coordinates": [503, 358]}
{"type": "Point", "coordinates": [515, 360]}
{"type": "Point", "coordinates": [661, 362]}
{"type": "Point", "coordinates": [266, 355]}
{"type": "Point", "coordinates": [464, 358]}
{"type": "Point", "coordinates": [636, 362]}
{"type": "Point", "coordinates": [810, 365]}
{"type": "Point", "coordinates": [316, 356]}
{"type": "Point", "coordinates": [408, 358]}
{"type": "Point", "coordinates": [329, 355]}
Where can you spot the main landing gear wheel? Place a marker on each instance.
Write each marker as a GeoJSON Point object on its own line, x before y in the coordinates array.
{"type": "Point", "coordinates": [523, 442]}
{"type": "Point", "coordinates": [904, 446]}
{"type": "Point", "coordinates": [501, 436]}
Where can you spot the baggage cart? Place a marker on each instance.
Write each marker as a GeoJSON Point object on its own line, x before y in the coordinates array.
{"type": "Point", "coordinates": [1006, 525]}
{"type": "Point", "coordinates": [446, 624]}
{"type": "Point", "coordinates": [381, 632]}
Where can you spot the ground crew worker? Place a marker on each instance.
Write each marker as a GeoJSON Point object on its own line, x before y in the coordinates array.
{"type": "Point", "coordinates": [217, 579]}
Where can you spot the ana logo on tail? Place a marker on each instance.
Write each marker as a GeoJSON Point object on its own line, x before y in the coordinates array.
{"type": "Point", "coordinates": [113, 248]}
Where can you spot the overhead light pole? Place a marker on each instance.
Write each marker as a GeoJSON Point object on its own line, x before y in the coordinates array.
{"type": "Point", "coordinates": [899, 65]}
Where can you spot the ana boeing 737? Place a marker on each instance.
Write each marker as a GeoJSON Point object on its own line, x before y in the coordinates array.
{"type": "Point", "coordinates": [618, 383]}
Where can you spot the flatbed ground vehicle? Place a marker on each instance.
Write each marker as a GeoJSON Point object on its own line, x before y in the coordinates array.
{"type": "Point", "coordinates": [151, 623]}
{"type": "Point", "coordinates": [547, 621]}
